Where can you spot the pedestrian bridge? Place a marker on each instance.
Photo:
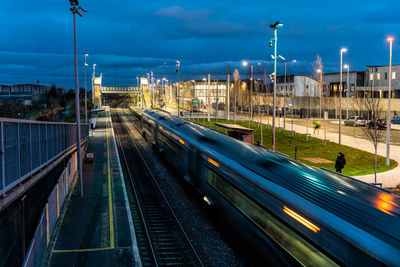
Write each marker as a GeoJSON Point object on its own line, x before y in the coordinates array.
{"type": "Point", "coordinates": [120, 90]}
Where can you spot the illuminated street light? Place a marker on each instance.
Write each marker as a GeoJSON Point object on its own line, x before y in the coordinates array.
{"type": "Point", "coordinates": [75, 10]}
{"type": "Point", "coordinates": [346, 66]}
{"type": "Point", "coordinates": [86, 121]}
{"type": "Point", "coordinates": [343, 50]}
{"type": "Point", "coordinates": [285, 93]}
{"type": "Point", "coordinates": [275, 27]}
{"type": "Point", "coordinates": [390, 40]}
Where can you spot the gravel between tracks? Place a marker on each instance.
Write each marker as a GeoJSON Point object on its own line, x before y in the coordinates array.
{"type": "Point", "coordinates": [203, 230]}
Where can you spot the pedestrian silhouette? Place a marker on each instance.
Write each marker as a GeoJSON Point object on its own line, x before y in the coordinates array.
{"type": "Point", "coordinates": [340, 162]}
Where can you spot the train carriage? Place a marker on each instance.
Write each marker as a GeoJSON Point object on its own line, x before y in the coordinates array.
{"type": "Point", "coordinates": [299, 214]}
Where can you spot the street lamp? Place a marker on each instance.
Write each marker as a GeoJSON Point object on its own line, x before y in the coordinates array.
{"type": "Point", "coordinates": [275, 27]}
{"type": "Point", "coordinates": [75, 10]}
{"type": "Point", "coordinates": [93, 76]}
{"type": "Point", "coordinates": [245, 64]}
{"type": "Point", "coordinates": [343, 50]}
{"type": "Point", "coordinates": [346, 66]}
{"type": "Point", "coordinates": [86, 90]}
{"type": "Point", "coordinates": [285, 93]}
{"type": "Point", "coordinates": [178, 70]}
{"type": "Point", "coordinates": [390, 40]}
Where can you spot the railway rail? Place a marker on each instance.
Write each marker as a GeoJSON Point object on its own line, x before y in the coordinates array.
{"type": "Point", "coordinates": [160, 236]}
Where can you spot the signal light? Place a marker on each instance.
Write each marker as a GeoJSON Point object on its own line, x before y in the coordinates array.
{"type": "Point", "coordinates": [270, 43]}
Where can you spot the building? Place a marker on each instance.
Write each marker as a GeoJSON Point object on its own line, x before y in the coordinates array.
{"type": "Point", "coordinates": [297, 85]}
{"type": "Point", "coordinates": [378, 81]}
{"type": "Point", "coordinates": [355, 87]}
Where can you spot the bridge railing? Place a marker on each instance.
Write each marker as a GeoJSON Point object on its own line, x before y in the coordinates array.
{"type": "Point", "coordinates": [28, 146]}
{"type": "Point", "coordinates": [116, 89]}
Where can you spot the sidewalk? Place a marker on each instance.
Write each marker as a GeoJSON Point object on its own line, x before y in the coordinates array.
{"type": "Point", "coordinates": [388, 179]}
{"type": "Point", "coordinates": [97, 228]}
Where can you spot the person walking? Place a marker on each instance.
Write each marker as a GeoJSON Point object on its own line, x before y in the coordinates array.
{"type": "Point", "coordinates": [340, 162]}
{"type": "Point", "coordinates": [317, 125]}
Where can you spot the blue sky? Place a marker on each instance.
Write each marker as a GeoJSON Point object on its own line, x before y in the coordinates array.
{"type": "Point", "coordinates": [129, 38]}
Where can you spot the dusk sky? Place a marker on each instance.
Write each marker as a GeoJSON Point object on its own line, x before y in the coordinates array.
{"type": "Point", "coordinates": [129, 38]}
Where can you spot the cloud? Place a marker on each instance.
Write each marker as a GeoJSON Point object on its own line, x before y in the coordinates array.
{"type": "Point", "coordinates": [179, 13]}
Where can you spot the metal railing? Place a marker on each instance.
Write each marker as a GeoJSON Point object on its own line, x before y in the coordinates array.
{"type": "Point", "coordinates": [49, 215]}
{"type": "Point", "coordinates": [116, 89]}
{"type": "Point", "coordinates": [28, 146]}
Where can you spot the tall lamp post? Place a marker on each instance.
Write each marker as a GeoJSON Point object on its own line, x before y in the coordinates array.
{"type": "Point", "coordinates": [75, 10]}
{"type": "Point", "coordinates": [343, 50]}
{"type": "Point", "coordinates": [178, 70]}
{"type": "Point", "coordinates": [245, 64]}
{"type": "Point", "coordinates": [346, 66]}
{"type": "Point", "coordinates": [285, 93]}
{"type": "Point", "coordinates": [390, 40]}
{"type": "Point", "coordinates": [275, 27]}
{"type": "Point", "coordinates": [86, 90]}
{"type": "Point", "coordinates": [93, 76]}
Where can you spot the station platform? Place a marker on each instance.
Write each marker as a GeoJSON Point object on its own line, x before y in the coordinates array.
{"type": "Point", "coordinates": [97, 229]}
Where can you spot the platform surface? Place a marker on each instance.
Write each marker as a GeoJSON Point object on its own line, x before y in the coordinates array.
{"type": "Point", "coordinates": [96, 229]}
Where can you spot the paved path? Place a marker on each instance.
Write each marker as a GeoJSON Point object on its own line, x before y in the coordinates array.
{"type": "Point", "coordinates": [388, 179]}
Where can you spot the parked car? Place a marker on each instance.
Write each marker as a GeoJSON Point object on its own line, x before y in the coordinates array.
{"type": "Point", "coordinates": [379, 123]}
{"type": "Point", "coordinates": [355, 121]}
{"type": "Point", "coordinates": [396, 119]}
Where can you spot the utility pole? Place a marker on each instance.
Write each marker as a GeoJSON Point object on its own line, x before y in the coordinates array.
{"type": "Point", "coordinates": [178, 70]}
{"type": "Point", "coordinates": [390, 39]}
{"type": "Point", "coordinates": [275, 39]}
{"type": "Point", "coordinates": [86, 121]}
{"type": "Point", "coordinates": [228, 79]}
{"type": "Point", "coordinates": [75, 10]}
{"type": "Point", "coordinates": [340, 92]}
{"type": "Point", "coordinates": [209, 98]}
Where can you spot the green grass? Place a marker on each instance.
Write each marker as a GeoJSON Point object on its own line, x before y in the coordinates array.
{"type": "Point", "coordinates": [358, 162]}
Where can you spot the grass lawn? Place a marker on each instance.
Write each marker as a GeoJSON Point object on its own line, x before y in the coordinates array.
{"type": "Point", "coordinates": [358, 162]}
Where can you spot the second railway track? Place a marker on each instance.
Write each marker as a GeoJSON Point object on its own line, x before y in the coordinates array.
{"type": "Point", "coordinates": [161, 239]}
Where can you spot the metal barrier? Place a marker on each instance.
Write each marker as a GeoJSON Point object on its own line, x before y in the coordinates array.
{"type": "Point", "coordinates": [49, 215]}
{"type": "Point", "coordinates": [120, 89]}
{"type": "Point", "coordinates": [28, 146]}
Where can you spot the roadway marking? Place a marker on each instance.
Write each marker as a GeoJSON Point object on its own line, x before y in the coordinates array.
{"type": "Point", "coordinates": [110, 209]}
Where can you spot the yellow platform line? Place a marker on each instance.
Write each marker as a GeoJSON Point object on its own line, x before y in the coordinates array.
{"type": "Point", "coordinates": [80, 250]}
{"type": "Point", "coordinates": [110, 206]}
{"type": "Point", "coordinates": [110, 209]}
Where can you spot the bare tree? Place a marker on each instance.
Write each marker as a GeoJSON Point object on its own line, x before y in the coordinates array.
{"type": "Point", "coordinates": [374, 135]}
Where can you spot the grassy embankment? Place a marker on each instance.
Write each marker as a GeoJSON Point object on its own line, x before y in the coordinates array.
{"type": "Point", "coordinates": [358, 162]}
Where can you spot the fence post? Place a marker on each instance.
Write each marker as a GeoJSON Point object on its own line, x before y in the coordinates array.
{"type": "Point", "coordinates": [295, 152]}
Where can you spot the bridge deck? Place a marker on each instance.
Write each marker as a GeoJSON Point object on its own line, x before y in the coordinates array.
{"type": "Point", "coordinates": [97, 228]}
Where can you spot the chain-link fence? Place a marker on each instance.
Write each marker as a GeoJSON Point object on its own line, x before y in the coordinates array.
{"type": "Point", "coordinates": [27, 146]}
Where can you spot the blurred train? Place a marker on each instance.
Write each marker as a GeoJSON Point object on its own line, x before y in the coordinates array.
{"type": "Point", "coordinates": [290, 213]}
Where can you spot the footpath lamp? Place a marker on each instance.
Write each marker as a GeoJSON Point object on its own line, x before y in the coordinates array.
{"type": "Point", "coordinates": [86, 90]}
{"type": "Point", "coordinates": [285, 93]}
{"type": "Point", "coordinates": [75, 10]}
{"type": "Point", "coordinates": [178, 70]}
{"type": "Point", "coordinates": [343, 50]}
{"type": "Point", "coordinates": [346, 66]}
{"type": "Point", "coordinates": [275, 27]}
{"type": "Point", "coordinates": [245, 64]}
{"type": "Point", "coordinates": [390, 40]}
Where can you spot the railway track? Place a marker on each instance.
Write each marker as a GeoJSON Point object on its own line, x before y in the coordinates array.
{"type": "Point", "coordinates": [161, 239]}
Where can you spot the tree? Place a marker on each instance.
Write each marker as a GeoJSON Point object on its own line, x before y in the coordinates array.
{"type": "Point", "coordinates": [374, 135]}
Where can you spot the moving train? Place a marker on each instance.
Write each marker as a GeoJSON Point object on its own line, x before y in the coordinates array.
{"type": "Point", "coordinates": [291, 213]}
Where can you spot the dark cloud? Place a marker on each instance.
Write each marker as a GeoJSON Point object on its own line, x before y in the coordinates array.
{"type": "Point", "coordinates": [130, 38]}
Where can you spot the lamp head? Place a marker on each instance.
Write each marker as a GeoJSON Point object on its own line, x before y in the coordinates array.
{"type": "Point", "coordinates": [346, 66]}
{"type": "Point", "coordinates": [390, 39]}
{"type": "Point", "coordinates": [343, 50]}
{"type": "Point", "coordinates": [86, 54]}
{"type": "Point", "coordinates": [294, 60]}
{"type": "Point", "coordinates": [319, 70]}
{"type": "Point", "coordinates": [276, 25]}
{"type": "Point", "coordinates": [245, 63]}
